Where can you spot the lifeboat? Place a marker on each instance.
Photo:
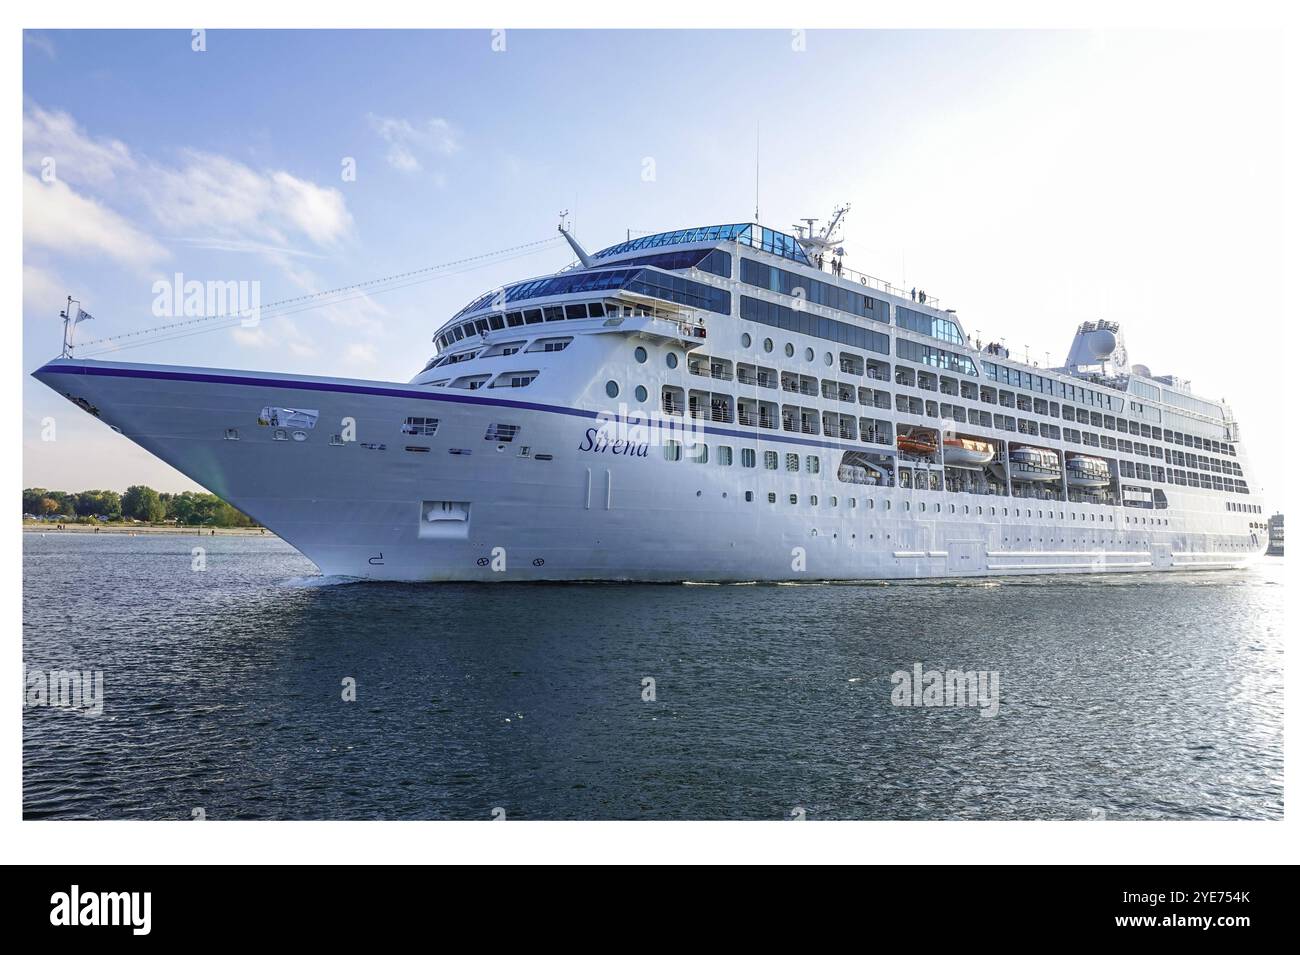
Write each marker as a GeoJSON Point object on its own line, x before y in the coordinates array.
{"type": "Point", "coordinates": [966, 453]}
{"type": "Point", "coordinates": [1086, 471]}
{"type": "Point", "coordinates": [1032, 464]}
{"type": "Point", "coordinates": [917, 444]}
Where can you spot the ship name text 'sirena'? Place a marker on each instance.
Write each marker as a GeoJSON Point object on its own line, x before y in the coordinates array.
{"type": "Point", "coordinates": [725, 403]}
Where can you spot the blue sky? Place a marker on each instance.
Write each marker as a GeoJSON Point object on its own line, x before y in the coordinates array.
{"type": "Point", "coordinates": [1031, 180]}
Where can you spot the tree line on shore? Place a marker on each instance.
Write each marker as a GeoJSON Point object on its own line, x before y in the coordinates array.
{"type": "Point", "coordinates": [138, 502]}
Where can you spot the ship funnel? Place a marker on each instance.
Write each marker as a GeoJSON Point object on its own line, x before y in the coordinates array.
{"type": "Point", "coordinates": [1098, 347]}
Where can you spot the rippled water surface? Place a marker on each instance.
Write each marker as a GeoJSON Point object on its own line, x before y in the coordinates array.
{"type": "Point", "coordinates": [1136, 697]}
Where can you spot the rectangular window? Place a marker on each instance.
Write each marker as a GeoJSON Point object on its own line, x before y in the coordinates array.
{"type": "Point", "coordinates": [724, 456]}
{"type": "Point", "coordinates": [747, 458]}
{"type": "Point", "coordinates": [769, 460]}
{"type": "Point", "coordinates": [425, 427]}
{"type": "Point", "coordinates": [787, 319]}
{"type": "Point", "coordinates": [501, 432]}
{"type": "Point", "coordinates": [792, 462]}
{"type": "Point", "coordinates": [825, 294]}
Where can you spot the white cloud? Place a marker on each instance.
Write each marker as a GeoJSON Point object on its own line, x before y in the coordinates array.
{"type": "Point", "coordinates": [250, 337]}
{"type": "Point", "coordinates": [77, 157]}
{"type": "Point", "coordinates": [433, 137]}
{"type": "Point", "coordinates": [56, 218]}
{"type": "Point", "coordinates": [274, 333]}
{"type": "Point", "coordinates": [320, 213]}
{"type": "Point", "coordinates": [239, 203]}
{"type": "Point", "coordinates": [40, 42]}
{"type": "Point", "coordinates": [208, 199]}
{"type": "Point", "coordinates": [360, 353]}
{"type": "Point", "coordinates": [43, 291]}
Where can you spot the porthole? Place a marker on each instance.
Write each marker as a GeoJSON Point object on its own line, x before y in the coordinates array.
{"type": "Point", "coordinates": [789, 350]}
{"type": "Point", "coordinates": [611, 388]}
{"type": "Point", "coordinates": [671, 359]}
{"type": "Point", "coordinates": [829, 359]}
{"type": "Point", "coordinates": [809, 354]}
{"type": "Point", "coordinates": [767, 344]}
{"type": "Point", "coordinates": [745, 340]}
{"type": "Point", "coordinates": [640, 355]}
{"type": "Point", "coordinates": [641, 393]}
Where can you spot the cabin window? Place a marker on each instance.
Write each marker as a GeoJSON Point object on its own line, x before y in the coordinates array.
{"type": "Point", "coordinates": [425, 427]}
{"type": "Point", "coordinates": [814, 464]}
{"type": "Point", "coordinates": [724, 455]}
{"type": "Point", "coordinates": [771, 497]}
{"type": "Point", "coordinates": [640, 355]}
{"type": "Point", "coordinates": [794, 498]}
{"type": "Point", "coordinates": [747, 457]}
{"type": "Point", "coordinates": [792, 462]}
{"type": "Point", "coordinates": [769, 460]}
{"type": "Point", "coordinates": [501, 432]}
{"type": "Point", "coordinates": [672, 450]}
{"type": "Point", "coordinates": [611, 388]}
{"type": "Point", "coordinates": [749, 496]}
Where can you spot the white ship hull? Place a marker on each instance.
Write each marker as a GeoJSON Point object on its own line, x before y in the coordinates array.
{"type": "Point", "coordinates": [358, 508]}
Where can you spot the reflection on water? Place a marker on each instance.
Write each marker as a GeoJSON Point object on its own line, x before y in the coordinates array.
{"type": "Point", "coordinates": [1135, 697]}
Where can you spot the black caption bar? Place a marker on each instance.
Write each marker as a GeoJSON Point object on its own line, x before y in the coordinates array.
{"type": "Point", "coordinates": [227, 903]}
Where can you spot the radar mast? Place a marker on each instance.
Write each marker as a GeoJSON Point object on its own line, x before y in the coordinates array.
{"type": "Point", "coordinates": [826, 241]}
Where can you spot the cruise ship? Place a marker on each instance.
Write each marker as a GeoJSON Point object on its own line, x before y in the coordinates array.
{"type": "Point", "coordinates": [725, 403]}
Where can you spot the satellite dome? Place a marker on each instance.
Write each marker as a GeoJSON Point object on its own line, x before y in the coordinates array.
{"type": "Point", "coordinates": [1142, 371]}
{"type": "Point", "coordinates": [1102, 343]}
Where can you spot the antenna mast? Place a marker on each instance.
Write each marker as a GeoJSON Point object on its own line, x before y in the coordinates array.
{"type": "Point", "coordinates": [70, 320]}
{"type": "Point", "coordinates": [578, 250]}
